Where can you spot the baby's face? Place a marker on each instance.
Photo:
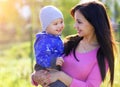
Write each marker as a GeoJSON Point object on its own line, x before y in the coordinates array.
{"type": "Point", "coordinates": [56, 27]}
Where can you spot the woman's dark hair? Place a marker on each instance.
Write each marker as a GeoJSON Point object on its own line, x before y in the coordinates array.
{"type": "Point", "coordinates": [95, 13]}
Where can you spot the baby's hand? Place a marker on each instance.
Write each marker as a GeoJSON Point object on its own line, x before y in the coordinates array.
{"type": "Point", "coordinates": [59, 61]}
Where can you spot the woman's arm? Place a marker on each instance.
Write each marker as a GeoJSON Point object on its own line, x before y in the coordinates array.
{"type": "Point", "coordinates": [93, 80]}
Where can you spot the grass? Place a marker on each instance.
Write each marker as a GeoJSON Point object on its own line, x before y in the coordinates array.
{"type": "Point", "coordinates": [15, 73]}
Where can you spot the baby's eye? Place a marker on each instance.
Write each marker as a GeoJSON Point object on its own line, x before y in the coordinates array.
{"type": "Point", "coordinates": [61, 22]}
{"type": "Point", "coordinates": [55, 23]}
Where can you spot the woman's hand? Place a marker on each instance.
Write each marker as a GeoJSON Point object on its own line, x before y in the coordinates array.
{"type": "Point", "coordinates": [45, 78]}
{"type": "Point", "coordinates": [53, 76]}
{"type": "Point", "coordinates": [59, 75]}
{"type": "Point", "coordinates": [41, 77]}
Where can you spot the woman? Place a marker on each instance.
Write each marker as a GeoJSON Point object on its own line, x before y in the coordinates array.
{"type": "Point", "coordinates": [87, 55]}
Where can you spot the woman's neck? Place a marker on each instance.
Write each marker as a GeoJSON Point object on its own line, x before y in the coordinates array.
{"type": "Point", "coordinates": [87, 44]}
{"type": "Point", "coordinates": [91, 40]}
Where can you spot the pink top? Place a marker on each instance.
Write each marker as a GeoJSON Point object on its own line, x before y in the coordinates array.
{"type": "Point", "coordinates": [85, 73]}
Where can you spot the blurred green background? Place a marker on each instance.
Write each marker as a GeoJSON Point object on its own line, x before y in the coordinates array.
{"type": "Point", "coordinates": [19, 22]}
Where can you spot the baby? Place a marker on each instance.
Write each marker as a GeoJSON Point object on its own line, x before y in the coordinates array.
{"type": "Point", "coordinates": [48, 45]}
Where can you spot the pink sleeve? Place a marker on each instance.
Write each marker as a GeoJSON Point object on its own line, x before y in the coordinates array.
{"type": "Point", "coordinates": [93, 80]}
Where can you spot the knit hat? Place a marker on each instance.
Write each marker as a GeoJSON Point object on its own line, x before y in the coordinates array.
{"type": "Point", "coordinates": [48, 14]}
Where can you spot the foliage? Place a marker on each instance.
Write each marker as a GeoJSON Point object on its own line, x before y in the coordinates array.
{"type": "Point", "coordinates": [15, 26]}
{"type": "Point", "coordinates": [113, 9]}
{"type": "Point", "coordinates": [65, 7]}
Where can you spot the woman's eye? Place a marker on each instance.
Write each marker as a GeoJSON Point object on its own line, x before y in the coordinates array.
{"type": "Point", "coordinates": [79, 22]}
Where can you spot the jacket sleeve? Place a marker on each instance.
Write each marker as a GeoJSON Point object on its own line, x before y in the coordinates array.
{"type": "Point", "coordinates": [93, 80]}
{"type": "Point", "coordinates": [42, 49]}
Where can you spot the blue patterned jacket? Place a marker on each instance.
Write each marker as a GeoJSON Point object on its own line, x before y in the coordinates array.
{"type": "Point", "coordinates": [47, 48]}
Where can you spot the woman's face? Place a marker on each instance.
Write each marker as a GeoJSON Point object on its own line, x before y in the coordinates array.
{"type": "Point", "coordinates": [83, 27]}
